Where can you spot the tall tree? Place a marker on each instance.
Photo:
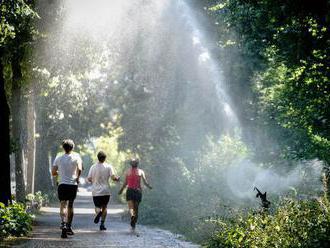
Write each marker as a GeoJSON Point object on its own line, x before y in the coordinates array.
{"type": "Point", "coordinates": [5, 187]}
{"type": "Point", "coordinates": [31, 141]}
{"type": "Point", "coordinates": [285, 49]}
{"type": "Point", "coordinates": [17, 33]}
{"type": "Point", "coordinates": [16, 99]}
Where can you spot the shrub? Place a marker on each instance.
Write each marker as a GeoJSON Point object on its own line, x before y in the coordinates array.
{"type": "Point", "coordinates": [14, 220]}
{"type": "Point", "coordinates": [294, 224]}
{"type": "Point", "coordinates": [36, 201]}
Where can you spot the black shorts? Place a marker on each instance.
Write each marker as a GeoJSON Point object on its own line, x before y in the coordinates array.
{"type": "Point", "coordinates": [67, 192]}
{"type": "Point", "coordinates": [133, 195]}
{"type": "Point", "coordinates": [100, 201]}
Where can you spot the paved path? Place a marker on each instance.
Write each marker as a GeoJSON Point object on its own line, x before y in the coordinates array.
{"type": "Point", "coordinates": [46, 232]}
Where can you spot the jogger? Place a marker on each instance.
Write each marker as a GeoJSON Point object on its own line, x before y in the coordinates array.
{"type": "Point", "coordinates": [67, 168]}
{"type": "Point", "coordinates": [99, 175]}
{"type": "Point", "coordinates": [134, 190]}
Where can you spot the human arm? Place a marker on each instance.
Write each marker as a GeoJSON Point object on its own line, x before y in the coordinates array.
{"type": "Point", "coordinates": [54, 170]}
{"type": "Point", "coordinates": [123, 187]}
{"type": "Point", "coordinates": [112, 174]}
{"type": "Point", "coordinates": [90, 175]}
{"type": "Point", "coordinates": [89, 179]}
{"type": "Point", "coordinates": [55, 174]}
{"type": "Point", "coordinates": [78, 175]}
{"type": "Point", "coordinates": [144, 179]}
{"type": "Point", "coordinates": [115, 178]}
{"type": "Point", "coordinates": [79, 168]}
{"type": "Point", "coordinates": [55, 167]}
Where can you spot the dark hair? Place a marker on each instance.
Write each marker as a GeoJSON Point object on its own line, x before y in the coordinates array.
{"type": "Point", "coordinates": [134, 162]}
{"type": "Point", "coordinates": [101, 156]}
{"type": "Point", "coordinates": [68, 145]}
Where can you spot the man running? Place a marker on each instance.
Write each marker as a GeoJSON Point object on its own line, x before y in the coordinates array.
{"type": "Point", "coordinates": [99, 175]}
{"type": "Point", "coordinates": [67, 168]}
{"type": "Point", "coordinates": [134, 190]}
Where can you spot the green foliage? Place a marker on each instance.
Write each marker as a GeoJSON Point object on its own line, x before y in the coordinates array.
{"type": "Point", "coordinates": [78, 114]}
{"type": "Point", "coordinates": [13, 18]}
{"type": "Point", "coordinates": [298, 99]}
{"type": "Point", "coordinates": [275, 59]}
{"type": "Point", "coordinates": [16, 27]}
{"type": "Point", "coordinates": [294, 224]}
{"type": "Point", "coordinates": [107, 143]}
{"type": "Point", "coordinates": [202, 185]}
{"type": "Point", "coordinates": [36, 201]}
{"type": "Point", "coordinates": [14, 220]}
{"type": "Point", "coordinates": [275, 56]}
{"type": "Point", "coordinates": [224, 151]}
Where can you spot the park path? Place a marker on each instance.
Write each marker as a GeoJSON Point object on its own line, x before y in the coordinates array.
{"type": "Point", "coordinates": [46, 232]}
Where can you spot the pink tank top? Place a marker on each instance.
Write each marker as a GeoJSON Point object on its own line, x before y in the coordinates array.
{"type": "Point", "coordinates": [133, 179]}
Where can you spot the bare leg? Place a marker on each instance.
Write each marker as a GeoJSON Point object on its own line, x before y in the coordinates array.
{"type": "Point", "coordinates": [97, 210]}
{"type": "Point", "coordinates": [70, 212]}
{"type": "Point", "coordinates": [63, 211]}
{"type": "Point", "coordinates": [104, 213]}
{"type": "Point", "coordinates": [136, 208]}
{"type": "Point", "coordinates": [133, 210]}
{"type": "Point", "coordinates": [136, 212]}
{"type": "Point", "coordinates": [131, 207]}
{"type": "Point", "coordinates": [103, 216]}
{"type": "Point", "coordinates": [64, 217]}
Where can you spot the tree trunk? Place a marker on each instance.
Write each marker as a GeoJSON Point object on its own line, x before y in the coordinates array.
{"type": "Point", "coordinates": [326, 180]}
{"type": "Point", "coordinates": [16, 128]}
{"type": "Point", "coordinates": [5, 193]}
{"type": "Point", "coordinates": [43, 176]}
{"type": "Point", "coordinates": [43, 181]}
{"type": "Point", "coordinates": [31, 142]}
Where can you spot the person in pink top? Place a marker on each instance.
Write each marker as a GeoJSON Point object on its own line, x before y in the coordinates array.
{"type": "Point", "coordinates": [133, 178]}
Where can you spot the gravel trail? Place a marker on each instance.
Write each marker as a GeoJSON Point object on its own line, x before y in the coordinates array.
{"type": "Point", "coordinates": [46, 232]}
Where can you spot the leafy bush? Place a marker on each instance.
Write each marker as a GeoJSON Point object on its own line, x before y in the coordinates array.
{"type": "Point", "coordinates": [294, 224]}
{"type": "Point", "coordinates": [37, 200]}
{"type": "Point", "coordinates": [14, 220]}
{"type": "Point", "coordinates": [202, 187]}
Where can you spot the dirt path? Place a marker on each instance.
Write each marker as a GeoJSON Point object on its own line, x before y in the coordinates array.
{"type": "Point", "coordinates": [46, 232]}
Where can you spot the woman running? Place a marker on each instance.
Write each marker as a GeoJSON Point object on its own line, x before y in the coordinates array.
{"type": "Point", "coordinates": [134, 190]}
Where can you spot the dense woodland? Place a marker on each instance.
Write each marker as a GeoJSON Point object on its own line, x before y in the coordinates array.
{"type": "Point", "coordinates": [273, 57]}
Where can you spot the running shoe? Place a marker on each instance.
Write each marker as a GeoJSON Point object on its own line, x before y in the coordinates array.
{"type": "Point", "coordinates": [64, 234]}
{"type": "Point", "coordinates": [69, 231]}
{"type": "Point", "coordinates": [62, 225]}
{"type": "Point", "coordinates": [97, 217]}
{"type": "Point", "coordinates": [102, 227]}
{"type": "Point", "coordinates": [133, 222]}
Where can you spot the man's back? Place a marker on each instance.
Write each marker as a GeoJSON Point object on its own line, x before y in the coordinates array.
{"type": "Point", "coordinates": [67, 168]}
{"type": "Point", "coordinates": [100, 174]}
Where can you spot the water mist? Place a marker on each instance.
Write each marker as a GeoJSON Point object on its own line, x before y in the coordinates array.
{"type": "Point", "coordinates": [120, 44]}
